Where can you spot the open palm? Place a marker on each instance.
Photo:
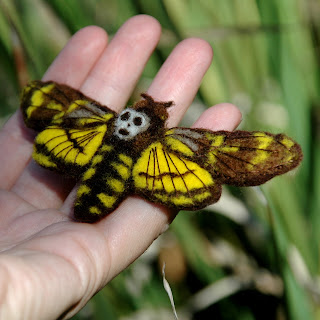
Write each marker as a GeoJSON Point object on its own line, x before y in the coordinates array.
{"type": "Point", "coordinates": [50, 265]}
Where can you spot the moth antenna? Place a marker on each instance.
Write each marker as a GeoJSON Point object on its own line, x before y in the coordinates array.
{"type": "Point", "coordinates": [147, 97]}
{"type": "Point", "coordinates": [167, 104]}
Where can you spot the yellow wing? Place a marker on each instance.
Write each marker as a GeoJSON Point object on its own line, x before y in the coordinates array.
{"type": "Point", "coordinates": [72, 126]}
{"type": "Point", "coordinates": [168, 177]}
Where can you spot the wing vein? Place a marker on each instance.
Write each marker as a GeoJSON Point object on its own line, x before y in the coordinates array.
{"type": "Point", "coordinates": [147, 171]}
{"type": "Point", "coordinates": [191, 171]}
{"type": "Point", "coordinates": [170, 172]}
{"type": "Point", "coordinates": [181, 176]}
{"type": "Point", "coordinates": [154, 169]}
{"type": "Point", "coordinates": [160, 175]}
{"type": "Point", "coordinates": [234, 157]}
{"type": "Point", "coordinates": [52, 97]}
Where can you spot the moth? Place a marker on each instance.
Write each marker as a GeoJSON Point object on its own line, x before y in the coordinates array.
{"type": "Point", "coordinates": [115, 155]}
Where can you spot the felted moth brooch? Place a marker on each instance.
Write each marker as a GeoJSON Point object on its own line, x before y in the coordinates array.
{"type": "Point", "coordinates": [133, 152]}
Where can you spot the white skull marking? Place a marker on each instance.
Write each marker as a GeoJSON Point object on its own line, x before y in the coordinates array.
{"type": "Point", "coordinates": [130, 123]}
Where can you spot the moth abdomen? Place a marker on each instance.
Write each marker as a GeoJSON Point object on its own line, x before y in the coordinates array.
{"type": "Point", "coordinates": [104, 185]}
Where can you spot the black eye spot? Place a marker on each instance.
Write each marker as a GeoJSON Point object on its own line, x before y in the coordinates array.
{"type": "Point", "coordinates": [125, 116]}
{"type": "Point", "coordinates": [137, 121]}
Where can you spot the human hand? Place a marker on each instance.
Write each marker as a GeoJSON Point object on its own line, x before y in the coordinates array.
{"type": "Point", "coordinates": [49, 264]}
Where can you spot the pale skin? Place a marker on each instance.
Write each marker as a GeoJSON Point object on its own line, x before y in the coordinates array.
{"type": "Point", "coordinates": [49, 264]}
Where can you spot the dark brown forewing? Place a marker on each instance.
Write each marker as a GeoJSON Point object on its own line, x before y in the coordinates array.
{"type": "Point", "coordinates": [47, 103]}
{"type": "Point", "coordinates": [245, 158]}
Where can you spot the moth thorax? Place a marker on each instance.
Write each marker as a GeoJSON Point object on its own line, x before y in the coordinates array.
{"type": "Point", "coordinates": [130, 123]}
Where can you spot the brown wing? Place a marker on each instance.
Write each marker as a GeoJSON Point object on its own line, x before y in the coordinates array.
{"type": "Point", "coordinates": [73, 126]}
{"type": "Point", "coordinates": [48, 103]}
{"type": "Point", "coordinates": [240, 158]}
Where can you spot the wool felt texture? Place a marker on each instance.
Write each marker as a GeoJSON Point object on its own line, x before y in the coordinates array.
{"type": "Point", "coordinates": [114, 155]}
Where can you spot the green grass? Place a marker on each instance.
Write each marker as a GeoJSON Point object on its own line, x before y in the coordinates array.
{"type": "Point", "coordinates": [266, 264]}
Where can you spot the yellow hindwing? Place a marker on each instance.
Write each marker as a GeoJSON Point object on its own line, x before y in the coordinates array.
{"type": "Point", "coordinates": [168, 178]}
{"type": "Point", "coordinates": [71, 146]}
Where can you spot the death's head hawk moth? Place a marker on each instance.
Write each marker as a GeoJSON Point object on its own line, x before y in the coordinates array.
{"type": "Point", "coordinates": [115, 155]}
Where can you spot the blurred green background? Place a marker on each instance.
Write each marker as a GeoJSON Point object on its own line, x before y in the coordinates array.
{"type": "Point", "coordinates": [255, 254]}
